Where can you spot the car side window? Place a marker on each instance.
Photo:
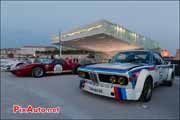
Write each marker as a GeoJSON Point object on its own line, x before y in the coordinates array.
{"type": "Point", "coordinates": [58, 62]}
{"type": "Point", "coordinates": [157, 59]}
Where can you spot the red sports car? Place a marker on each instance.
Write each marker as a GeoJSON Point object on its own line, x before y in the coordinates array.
{"type": "Point", "coordinates": [44, 66]}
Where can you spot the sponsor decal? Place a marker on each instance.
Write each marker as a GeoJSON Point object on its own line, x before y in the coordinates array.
{"type": "Point", "coordinates": [57, 68]}
{"type": "Point", "coordinates": [31, 109]}
{"type": "Point", "coordinates": [135, 73]}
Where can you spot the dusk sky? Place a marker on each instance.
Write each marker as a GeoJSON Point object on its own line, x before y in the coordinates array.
{"type": "Point", "coordinates": [33, 23]}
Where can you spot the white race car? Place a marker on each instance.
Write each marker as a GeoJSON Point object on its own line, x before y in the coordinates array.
{"type": "Point", "coordinates": [130, 75]}
{"type": "Point", "coordinates": [8, 64]}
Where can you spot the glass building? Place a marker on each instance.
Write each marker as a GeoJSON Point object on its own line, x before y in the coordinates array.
{"type": "Point", "coordinates": [104, 36]}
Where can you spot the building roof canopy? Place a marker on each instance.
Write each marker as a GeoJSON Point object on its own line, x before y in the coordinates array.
{"type": "Point", "coordinates": [104, 36]}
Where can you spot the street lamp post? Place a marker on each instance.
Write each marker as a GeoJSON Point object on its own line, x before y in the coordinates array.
{"type": "Point", "coordinates": [60, 45]}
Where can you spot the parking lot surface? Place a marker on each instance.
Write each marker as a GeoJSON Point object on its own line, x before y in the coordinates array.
{"type": "Point", "coordinates": [63, 91]}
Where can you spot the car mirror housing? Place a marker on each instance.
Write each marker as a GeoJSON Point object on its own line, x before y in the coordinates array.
{"type": "Point", "coordinates": [167, 62]}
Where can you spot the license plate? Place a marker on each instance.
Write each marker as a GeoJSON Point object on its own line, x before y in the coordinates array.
{"type": "Point", "coordinates": [96, 90]}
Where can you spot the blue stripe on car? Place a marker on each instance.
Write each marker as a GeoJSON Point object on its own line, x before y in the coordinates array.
{"type": "Point", "coordinates": [103, 69]}
{"type": "Point", "coordinates": [133, 82]}
{"type": "Point", "coordinates": [122, 93]}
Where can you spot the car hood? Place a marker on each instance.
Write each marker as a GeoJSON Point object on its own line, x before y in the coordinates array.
{"type": "Point", "coordinates": [110, 67]}
{"type": "Point", "coordinates": [24, 66]}
{"type": "Point", "coordinates": [31, 64]}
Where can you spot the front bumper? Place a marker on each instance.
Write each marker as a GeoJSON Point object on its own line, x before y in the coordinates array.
{"type": "Point", "coordinates": [21, 72]}
{"type": "Point", "coordinates": [112, 91]}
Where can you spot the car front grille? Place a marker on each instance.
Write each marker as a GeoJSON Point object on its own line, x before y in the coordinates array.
{"type": "Point", "coordinates": [90, 76]}
{"type": "Point", "coordinates": [93, 77]}
{"type": "Point", "coordinates": [104, 78]}
{"type": "Point", "coordinates": [101, 77]}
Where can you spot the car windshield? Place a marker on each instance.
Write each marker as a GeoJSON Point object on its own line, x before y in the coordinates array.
{"type": "Point", "coordinates": [131, 57]}
{"type": "Point", "coordinates": [43, 61]}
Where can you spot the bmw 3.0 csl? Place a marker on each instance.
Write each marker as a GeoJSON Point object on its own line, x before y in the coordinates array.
{"type": "Point", "coordinates": [130, 75]}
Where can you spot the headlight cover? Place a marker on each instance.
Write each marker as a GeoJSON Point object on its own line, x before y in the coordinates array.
{"type": "Point", "coordinates": [118, 80]}
{"type": "Point", "coordinates": [82, 74]}
{"type": "Point", "coordinates": [112, 79]}
{"type": "Point", "coordinates": [122, 81]}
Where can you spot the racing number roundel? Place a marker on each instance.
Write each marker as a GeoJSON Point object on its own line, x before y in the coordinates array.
{"type": "Point", "coordinates": [58, 68]}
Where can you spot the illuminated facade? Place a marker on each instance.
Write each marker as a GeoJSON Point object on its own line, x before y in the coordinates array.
{"type": "Point", "coordinates": [165, 53]}
{"type": "Point", "coordinates": [104, 36]}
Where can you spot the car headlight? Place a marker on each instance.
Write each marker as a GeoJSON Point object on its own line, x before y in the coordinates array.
{"type": "Point", "coordinates": [122, 81]}
{"type": "Point", "coordinates": [82, 74]}
{"type": "Point", "coordinates": [18, 67]}
{"type": "Point", "coordinates": [15, 67]}
{"type": "Point", "coordinates": [112, 79]}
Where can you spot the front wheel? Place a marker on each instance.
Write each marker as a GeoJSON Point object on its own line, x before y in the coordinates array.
{"type": "Point", "coordinates": [147, 90]}
{"type": "Point", "coordinates": [37, 72]}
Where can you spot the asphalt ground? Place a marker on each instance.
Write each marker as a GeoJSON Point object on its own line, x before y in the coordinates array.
{"type": "Point", "coordinates": [63, 91]}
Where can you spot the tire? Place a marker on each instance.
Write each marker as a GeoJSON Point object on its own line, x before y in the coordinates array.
{"type": "Point", "coordinates": [147, 90]}
{"type": "Point", "coordinates": [37, 72]}
{"type": "Point", "coordinates": [169, 83]}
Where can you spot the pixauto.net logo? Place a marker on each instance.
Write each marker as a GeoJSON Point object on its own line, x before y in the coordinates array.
{"type": "Point", "coordinates": [31, 109]}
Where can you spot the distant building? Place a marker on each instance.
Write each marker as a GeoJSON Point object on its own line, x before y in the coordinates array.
{"type": "Point", "coordinates": [10, 52]}
{"type": "Point", "coordinates": [165, 53]}
{"type": "Point", "coordinates": [177, 57]}
{"type": "Point", "coordinates": [105, 36]}
{"type": "Point", "coordinates": [26, 51]}
{"type": "Point", "coordinates": [31, 50]}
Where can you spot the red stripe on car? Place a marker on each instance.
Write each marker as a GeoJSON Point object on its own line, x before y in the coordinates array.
{"type": "Point", "coordinates": [116, 93]}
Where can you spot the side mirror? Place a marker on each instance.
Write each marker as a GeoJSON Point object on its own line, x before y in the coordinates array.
{"type": "Point", "coordinates": [167, 62]}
